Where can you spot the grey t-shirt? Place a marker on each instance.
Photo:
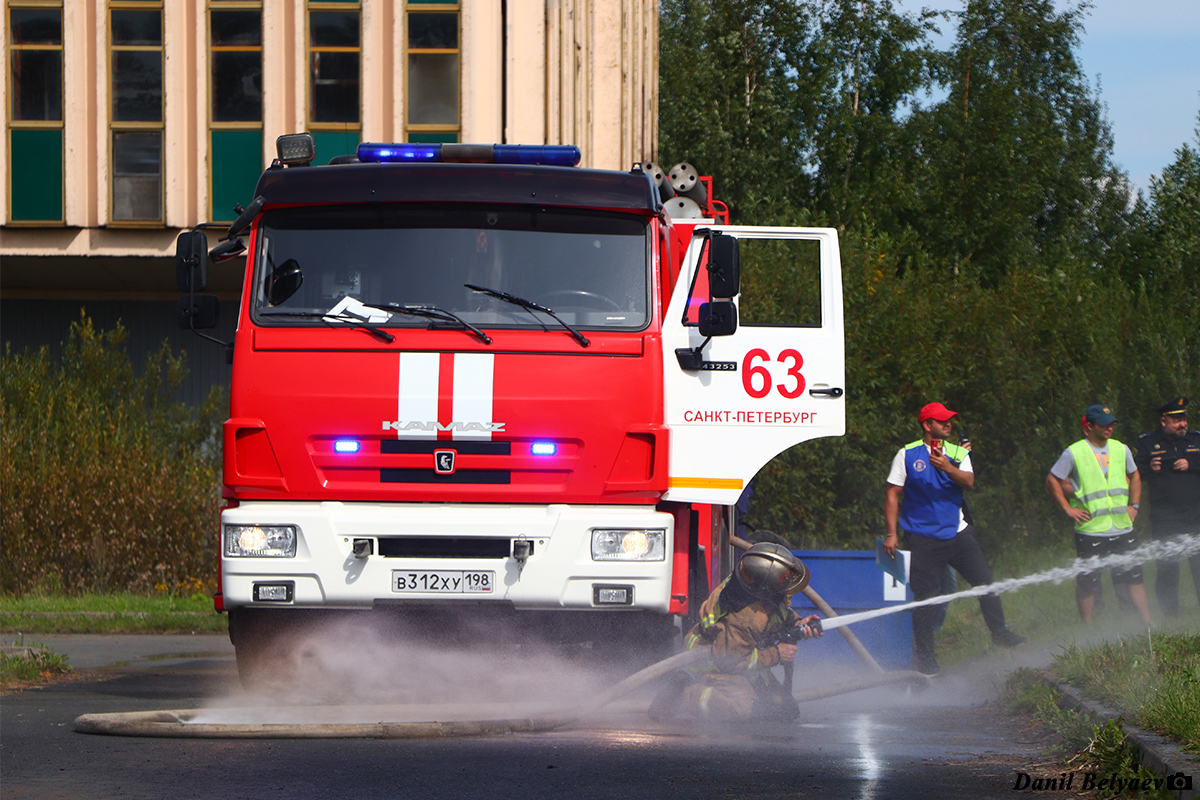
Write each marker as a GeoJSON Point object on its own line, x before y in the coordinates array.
{"type": "Point", "coordinates": [1064, 469]}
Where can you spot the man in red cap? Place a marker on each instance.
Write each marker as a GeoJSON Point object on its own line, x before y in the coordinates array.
{"type": "Point", "coordinates": [930, 475]}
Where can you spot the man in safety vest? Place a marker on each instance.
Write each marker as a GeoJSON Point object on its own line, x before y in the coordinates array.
{"type": "Point", "coordinates": [1095, 482]}
{"type": "Point", "coordinates": [745, 621]}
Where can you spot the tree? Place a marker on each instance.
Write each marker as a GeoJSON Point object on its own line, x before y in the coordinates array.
{"type": "Point", "coordinates": [1014, 165]}
{"type": "Point", "coordinates": [1174, 227]}
{"type": "Point", "coordinates": [729, 72]}
{"type": "Point", "coordinates": [872, 61]}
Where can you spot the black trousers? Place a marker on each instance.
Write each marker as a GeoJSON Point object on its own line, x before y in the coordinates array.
{"type": "Point", "coordinates": [1166, 584]}
{"type": "Point", "coordinates": [928, 560]}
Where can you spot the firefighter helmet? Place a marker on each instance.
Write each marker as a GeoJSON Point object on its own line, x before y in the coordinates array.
{"type": "Point", "coordinates": [769, 571]}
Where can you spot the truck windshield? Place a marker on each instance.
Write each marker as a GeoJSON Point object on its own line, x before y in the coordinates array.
{"type": "Point", "coordinates": [332, 264]}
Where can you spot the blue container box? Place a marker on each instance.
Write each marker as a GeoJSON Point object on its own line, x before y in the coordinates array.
{"type": "Point", "coordinates": [849, 581]}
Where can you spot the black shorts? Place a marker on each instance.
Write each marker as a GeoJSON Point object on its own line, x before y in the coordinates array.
{"type": "Point", "coordinates": [1101, 546]}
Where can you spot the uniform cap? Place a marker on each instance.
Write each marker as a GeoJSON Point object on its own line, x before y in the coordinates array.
{"type": "Point", "coordinates": [1099, 415]}
{"type": "Point", "coordinates": [1176, 407]}
{"type": "Point", "coordinates": [936, 411]}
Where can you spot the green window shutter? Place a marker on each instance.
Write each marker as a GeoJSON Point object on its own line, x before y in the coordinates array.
{"type": "Point", "coordinates": [432, 138]}
{"type": "Point", "coordinates": [36, 161]}
{"type": "Point", "coordinates": [334, 143]}
{"type": "Point", "coordinates": [236, 164]}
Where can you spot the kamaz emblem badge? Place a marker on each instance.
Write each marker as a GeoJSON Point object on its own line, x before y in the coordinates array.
{"type": "Point", "coordinates": [443, 462]}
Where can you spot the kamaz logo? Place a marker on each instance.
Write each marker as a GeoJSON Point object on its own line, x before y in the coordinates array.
{"type": "Point", "coordinates": [443, 461]}
{"type": "Point", "coordinates": [434, 427]}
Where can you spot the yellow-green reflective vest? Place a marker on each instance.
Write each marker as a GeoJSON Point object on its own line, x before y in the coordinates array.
{"type": "Point", "coordinates": [1107, 500]}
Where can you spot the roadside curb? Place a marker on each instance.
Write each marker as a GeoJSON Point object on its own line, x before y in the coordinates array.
{"type": "Point", "coordinates": [1158, 754]}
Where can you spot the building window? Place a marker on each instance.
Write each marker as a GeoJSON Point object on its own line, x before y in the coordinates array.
{"type": "Point", "coordinates": [236, 110]}
{"type": "Point", "coordinates": [136, 89]}
{"type": "Point", "coordinates": [432, 112]}
{"type": "Point", "coordinates": [35, 113]}
{"type": "Point", "coordinates": [334, 74]}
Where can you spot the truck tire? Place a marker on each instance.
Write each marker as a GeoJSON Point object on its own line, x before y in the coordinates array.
{"type": "Point", "coordinates": [262, 645]}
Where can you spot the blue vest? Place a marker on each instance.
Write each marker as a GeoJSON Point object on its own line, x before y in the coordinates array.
{"type": "Point", "coordinates": [932, 502]}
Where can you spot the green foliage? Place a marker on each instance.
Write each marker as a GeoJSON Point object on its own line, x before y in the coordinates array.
{"type": "Point", "coordinates": [1082, 742]}
{"type": "Point", "coordinates": [1019, 360]}
{"type": "Point", "coordinates": [735, 92]}
{"type": "Point", "coordinates": [161, 612]}
{"type": "Point", "coordinates": [1154, 680]}
{"type": "Point", "coordinates": [107, 484]}
{"type": "Point", "coordinates": [991, 256]}
{"type": "Point", "coordinates": [1112, 758]}
{"type": "Point", "coordinates": [31, 665]}
{"type": "Point", "coordinates": [1015, 162]}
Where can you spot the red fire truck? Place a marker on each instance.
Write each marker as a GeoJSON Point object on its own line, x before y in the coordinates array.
{"type": "Point", "coordinates": [481, 379]}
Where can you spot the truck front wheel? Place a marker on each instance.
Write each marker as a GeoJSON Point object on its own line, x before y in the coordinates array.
{"type": "Point", "coordinates": [263, 643]}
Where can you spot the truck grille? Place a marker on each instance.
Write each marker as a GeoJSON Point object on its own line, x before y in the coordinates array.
{"type": "Point", "coordinates": [444, 547]}
{"type": "Point", "coordinates": [459, 476]}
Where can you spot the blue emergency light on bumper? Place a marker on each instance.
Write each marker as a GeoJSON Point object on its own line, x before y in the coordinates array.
{"type": "Point", "coordinates": [566, 155]}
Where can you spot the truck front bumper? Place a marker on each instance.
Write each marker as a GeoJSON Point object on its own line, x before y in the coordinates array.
{"type": "Point", "coordinates": [419, 553]}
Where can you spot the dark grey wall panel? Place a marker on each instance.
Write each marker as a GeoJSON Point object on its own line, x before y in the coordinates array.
{"type": "Point", "coordinates": [33, 323]}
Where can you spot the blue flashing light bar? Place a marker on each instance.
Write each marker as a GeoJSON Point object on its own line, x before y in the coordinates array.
{"type": "Point", "coordinates": [398, 153]}
{"type": "Point", "coordinates": [557, 155]}
{"type": "Point", "coordinates": [543, 448]}
{"type": "Point", "coordinates": [346, 446]}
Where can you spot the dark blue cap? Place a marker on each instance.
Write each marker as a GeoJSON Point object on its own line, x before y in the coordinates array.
{"type": "Point", "coordinates": [1099, 415]}
{"type": "Point", "coordinates": [1176, 407]}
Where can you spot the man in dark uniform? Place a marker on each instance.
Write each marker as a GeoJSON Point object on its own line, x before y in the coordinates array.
{"type": "Point", "coordinates": [1169, 461]}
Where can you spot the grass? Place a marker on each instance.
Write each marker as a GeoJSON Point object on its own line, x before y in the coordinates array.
{"type": "Point", "coordinates": [1046, 612]}
{"type": "Point", "coordinates": [34, 664]}
{"type": "Point", "coordinates": [109, 613]}
{"type": "Point", "coordinates": [1083, 743]}
{"type": "Point", "coordinates": [1154, 680]}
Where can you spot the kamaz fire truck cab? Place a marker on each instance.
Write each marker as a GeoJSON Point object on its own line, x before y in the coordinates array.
{"type": "Point", "coordinates": [518, 389]}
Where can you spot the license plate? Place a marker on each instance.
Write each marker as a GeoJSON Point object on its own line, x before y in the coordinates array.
{"type": "Point", "coordinates": [443, 581]}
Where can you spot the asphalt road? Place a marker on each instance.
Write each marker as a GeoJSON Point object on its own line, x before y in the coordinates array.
{"type": "Point", "coordinates": [894, 743]}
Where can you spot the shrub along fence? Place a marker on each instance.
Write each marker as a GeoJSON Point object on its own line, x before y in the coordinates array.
{"type": "Point", "coordinates": [107, 484]}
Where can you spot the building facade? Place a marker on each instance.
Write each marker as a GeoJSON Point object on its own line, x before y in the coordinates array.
{"type": "Point", "coordinates": [128, 121]}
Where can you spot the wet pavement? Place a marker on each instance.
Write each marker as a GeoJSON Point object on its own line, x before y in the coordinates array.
{"type": "Point", "coordinates": [890, 743]}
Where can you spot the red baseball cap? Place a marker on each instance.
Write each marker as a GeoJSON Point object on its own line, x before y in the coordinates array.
{"type": "Point", "coordinates": [936, 411]}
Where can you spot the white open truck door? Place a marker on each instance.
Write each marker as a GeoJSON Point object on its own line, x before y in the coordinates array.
{"type": "Point", "coordinates": [735, 400]}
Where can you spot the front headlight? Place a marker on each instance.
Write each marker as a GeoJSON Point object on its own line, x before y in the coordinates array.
{"type": "Point", "coordinates": [260, 541]}
{"type": "Point", "coordinates": [629, 545]}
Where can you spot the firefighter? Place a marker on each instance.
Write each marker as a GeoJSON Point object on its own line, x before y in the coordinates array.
{"type": "Point", "coordinates": [744, 621]}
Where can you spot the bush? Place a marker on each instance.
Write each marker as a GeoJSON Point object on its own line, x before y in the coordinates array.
{"type": "Point", "coordinates": [107, 484]}
{"type": "Point", "coordinates": [1020, 360]}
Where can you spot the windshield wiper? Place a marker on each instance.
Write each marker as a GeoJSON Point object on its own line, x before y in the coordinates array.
{"type": "Point", "coordinates": [530, 305]}
{"type": "Point", "coordinates": [345, 316]}
{"type": "Point", "coordinates": [431, 312]}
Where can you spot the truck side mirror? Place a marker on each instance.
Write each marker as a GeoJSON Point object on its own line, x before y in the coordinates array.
{"type": "Point", "coordinates": [227, 250]}
{"type": "Point", "coordinates": [191, 261]}
{"type": "Point", "coordinates": [724, 266]}
{"type": "Point", "coordinates": [245, 216]}
{"type": "Point", "coordinates": [198, 311]}
{"type": "Point", "coordinates": [718, 318]}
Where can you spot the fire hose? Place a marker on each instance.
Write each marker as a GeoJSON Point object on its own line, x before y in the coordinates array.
{"type": "Point", "coordinates": [183, 724]}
